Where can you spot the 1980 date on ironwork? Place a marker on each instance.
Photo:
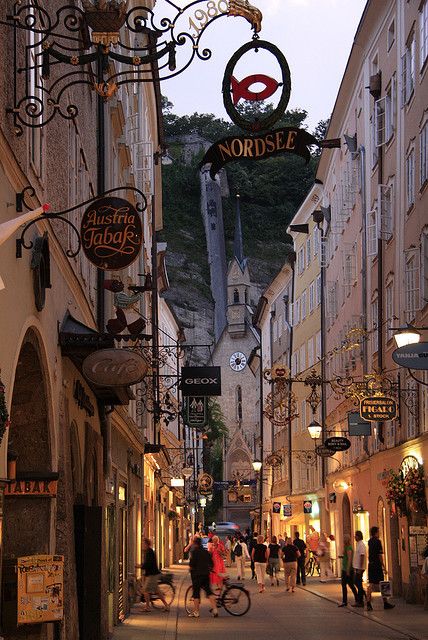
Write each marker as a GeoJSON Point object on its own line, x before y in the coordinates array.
{"type": "Point", "coordinates": [213, 9]}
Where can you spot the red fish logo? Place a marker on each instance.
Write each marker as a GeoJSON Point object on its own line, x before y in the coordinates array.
{"type": "Point", "coordinates": [242, 89]}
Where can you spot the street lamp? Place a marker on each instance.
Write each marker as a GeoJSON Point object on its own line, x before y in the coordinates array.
{"type": "Point", "coordinates": [315, 430]}
{"type": "Point", "coordinates": [257, 465]}
{"type": "Point", "coordinates": [406, 335]}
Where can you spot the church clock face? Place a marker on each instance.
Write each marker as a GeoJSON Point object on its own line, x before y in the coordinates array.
{"type": "Point", "coordinates": [237, 361]}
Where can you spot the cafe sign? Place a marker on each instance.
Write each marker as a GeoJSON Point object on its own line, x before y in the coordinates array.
{"type": "Point", "coordinates": [114, 367]}
{"type": "Point", "coordinates": [111, 233]}
{"type": "Point", "coordinates": [378, 408]}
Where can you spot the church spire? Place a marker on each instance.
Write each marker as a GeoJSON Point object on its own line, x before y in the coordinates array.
{"type": "Point", "coordinates": [238, 247]}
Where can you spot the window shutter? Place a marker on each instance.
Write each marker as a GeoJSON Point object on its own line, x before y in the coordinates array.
{"type": "Point", "coordinates": [372, 233]}
{"type": "Point", "coordinates": [380, 122]}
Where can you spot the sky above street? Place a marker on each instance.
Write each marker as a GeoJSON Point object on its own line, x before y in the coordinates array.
{"type": "Point", "coordinates": [314, 35]}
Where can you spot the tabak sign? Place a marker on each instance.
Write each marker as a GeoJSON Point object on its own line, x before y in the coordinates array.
{"type": "Point", "coordinates": [378, 408]}
{"type": "Point", "coordinates": [111, 233]}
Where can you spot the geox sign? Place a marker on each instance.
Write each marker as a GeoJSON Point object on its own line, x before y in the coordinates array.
{"type": "Point", "coordinates": [201, 381]}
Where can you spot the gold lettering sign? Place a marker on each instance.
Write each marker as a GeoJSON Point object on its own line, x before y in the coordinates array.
{"type": "Point", "coordinates": [285, 140]}
{"type": "Point", "coordinates": [378, 408]}
{"type": "Point", "coordinates": [111, 233]}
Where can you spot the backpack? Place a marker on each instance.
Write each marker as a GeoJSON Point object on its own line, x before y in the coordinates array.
{"type": "Point", "coordinates": [238, 550]}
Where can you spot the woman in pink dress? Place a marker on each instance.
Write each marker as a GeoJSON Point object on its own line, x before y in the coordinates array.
{"type": "Point", "coordinates": [217, 550]}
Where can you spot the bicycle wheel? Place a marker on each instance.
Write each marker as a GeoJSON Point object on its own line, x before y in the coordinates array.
{"type": "Point", "coordinates": [236, 601]}
{"type": "Point", "coordinates": [168, 592]}
{"type": "Point", "coordinates": [188, 600]}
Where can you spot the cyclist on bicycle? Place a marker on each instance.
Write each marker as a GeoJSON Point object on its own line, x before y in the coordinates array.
{"type": "Point", "coordinates": [201, 565]}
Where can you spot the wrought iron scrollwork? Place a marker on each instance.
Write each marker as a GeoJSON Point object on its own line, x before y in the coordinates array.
{"type": "Point", "coordinates": [133, 46]}
{"type": "Point", "coordinates": [59, 215]}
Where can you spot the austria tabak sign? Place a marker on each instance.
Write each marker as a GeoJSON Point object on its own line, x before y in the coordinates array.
{"type": "Point", "coordinates": [272, 143]}
{"type": "Point", "coordinates": [378, 408]}
{"type": "Point", "coordinates": [111, 233]}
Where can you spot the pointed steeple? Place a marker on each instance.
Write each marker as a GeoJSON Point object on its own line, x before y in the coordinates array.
{"type": "Point", "coordinates": [238, 246]}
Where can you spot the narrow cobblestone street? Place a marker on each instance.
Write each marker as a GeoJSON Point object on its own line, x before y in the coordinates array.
{"type": "Point", "coordinates": [308, 613]}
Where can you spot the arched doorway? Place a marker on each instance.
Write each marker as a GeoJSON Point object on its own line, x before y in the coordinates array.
{"type": "Point", "coordinates": [27, 519]}
{"type": "Point", "coordinates": [346, 516]}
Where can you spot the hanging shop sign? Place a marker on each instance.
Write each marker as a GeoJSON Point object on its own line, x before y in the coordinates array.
{"type": "Point", "coordinates": [276, 507]}
{"type": "Point", "coordinates": [378, 408]}
{"type": "Point", "coordinates": [114, 367]}
{"type": "Point", "coordinates": [201, 381]}
{"type": "Point", "coordinates": [357, 426]}
{"type": "Point", "coordinates": [197, 411]}
{"type": "Point", "coordinates": [287, 510]}
{"type": "Point", "coordinates": [323, 451]}
{"type": "Point", "coordinates": [82, 399]}
{"type": "Point", "coordinates": [307, 506]}
{"type": "Point", "coordinates": [234, 90]}
{"type": "Point", "coordinates": [337, 443]}
{"type": "Point", "coordinates": [34, 488]}
{"type": "Point", "coordinates": [414, 356]}
{"type": "Point", "coordinates": [111, 233]}
{"type": "Point", "coordinates": [284, 140]}
{"type": "Point", "coordinates": [40, 589]}
{"type": "Point", "coordinates": [205, 484]}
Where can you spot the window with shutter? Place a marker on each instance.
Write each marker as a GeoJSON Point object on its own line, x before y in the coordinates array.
{"type": "Point", "coordinates": [408, 70]}
{"type": "Point", "coordinates": [303, 306]}
{"type": "Point", "coordinates": [386, 211]}
{"type": "Point", "coordinates": [311, 361]}
{"type": "Point", "coordinates": [312, 296]}
{"type": "Point", "coordinates": [423, 33]}
{"type": "Point", "coordinates": [412, 283]}
{"type": "Point", "coordinates": [380, 122]}
{"type": "Point", "coordinates": [372, 233]}
{"type": "Point", "coordinates": [318, 291]}
{"type": "Point", "coordinates": [318, 346]}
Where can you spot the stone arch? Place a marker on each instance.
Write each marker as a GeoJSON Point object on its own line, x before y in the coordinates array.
{"type": "Point", "coordinates": [27, 520]}
{"type": "Point", "coordinates": [346, 515]}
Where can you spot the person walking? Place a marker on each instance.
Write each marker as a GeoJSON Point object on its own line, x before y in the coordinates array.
{"type": "Point", "coordinates": [281, 541]}
{"type": "Point", "coordinates": [240, 551]}
{"type": "Point", "coordinates": [347, 574]}
{"type": "Point", "coordinates": [252, 543]}
{"type": "Point", "coordinates": [359, 566]}
{"type": "Point", "coordinates": [290, 555]}
{"type": "Point", "coordinates": [219, 571]}
{"type": "Point", "coordinates": [376, 568]}
{"type": "Point", "coordinates": [258, 555]}
{"type": "Point", "coordinates": [324, 559]}
{"type": "Point", "coordinates": [301, 546]}
{"type": "Point", "coordinates": [151, 576]}
{"type": "Point", "coordinates": [228, 551]}
{"type": "Point", "coordinates": [272, 556]}
{"type": "Point", "coordinates": [200, 565]}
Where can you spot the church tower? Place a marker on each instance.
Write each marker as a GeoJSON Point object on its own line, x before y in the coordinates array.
{"type": "Point", "coordinates": [238, 284]}
{"type": "Point", "coordinates": [239, 399]}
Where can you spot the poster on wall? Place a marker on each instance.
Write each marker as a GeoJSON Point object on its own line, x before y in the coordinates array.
{"type": "Point", "coordinates": [307, 506]}
{"type": "Point", "coordinates": [287, 510]}
{"type": "Point", "coordinates": [40, 589]}
{"type": "Point", "coordinates": [276, 507]}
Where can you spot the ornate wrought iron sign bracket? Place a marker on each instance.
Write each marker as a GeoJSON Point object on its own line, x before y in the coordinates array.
{"type": "Point", "coordinates": [128, 46]}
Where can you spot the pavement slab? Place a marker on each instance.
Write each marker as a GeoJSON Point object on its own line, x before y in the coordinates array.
{"type": "Point", "coordinates": [311, 613]}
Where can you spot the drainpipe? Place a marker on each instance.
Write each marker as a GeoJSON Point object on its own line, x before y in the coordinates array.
{"type": "Point", "coordinates": [292, 261]}
{"type": "Point", "coordinates": [364, 306]}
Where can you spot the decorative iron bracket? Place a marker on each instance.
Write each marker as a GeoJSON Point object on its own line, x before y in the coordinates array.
{"type": "Point", "coordinates": [59, 215]}
{"type": "Point", "coordinates": [103, 46]}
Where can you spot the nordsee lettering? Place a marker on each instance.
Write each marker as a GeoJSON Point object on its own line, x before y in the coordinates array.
{"type": "Point", "coordinates": [285, 140]}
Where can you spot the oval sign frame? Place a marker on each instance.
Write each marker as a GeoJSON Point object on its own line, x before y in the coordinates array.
{"type": "Point", "coordinates": [337, 443]}
{"type": "Point", "coordinates": [122, 223]}
{"type": "Point", "coordinates": [417, 358]}
{"type": "Point", "coordinates": [129, 368]}
{"type": "Point", "coordinates": [390, 415]}
{"type": "Point", "coordinates": [323, 451]}
{"type": "Point", "coordinates": [232, 111]}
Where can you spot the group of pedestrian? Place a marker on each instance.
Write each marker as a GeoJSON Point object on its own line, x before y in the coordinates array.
{"type": "Point", "coordinates": [354, 562]}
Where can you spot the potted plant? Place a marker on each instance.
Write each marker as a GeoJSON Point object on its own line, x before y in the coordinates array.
{"type": "Point", "coordinates": [414, 484]}
{"type": "Point", "coordinates": [396, 493]}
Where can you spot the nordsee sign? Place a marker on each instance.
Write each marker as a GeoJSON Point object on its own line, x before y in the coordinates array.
{"type": "Point", "coordinates": [414, 356]}
{"type": "Point", "coordinates": [201, 381]}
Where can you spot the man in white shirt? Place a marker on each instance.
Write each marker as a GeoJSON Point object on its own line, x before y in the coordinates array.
{"type": "Point", "coordinates": [359, 565]}
{"type": "Point", "coordinates": [240, 550]}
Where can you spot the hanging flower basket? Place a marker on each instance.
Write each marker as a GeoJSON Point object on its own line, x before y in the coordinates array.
{"type": "Point", "coordinates": [414, 485]}
{"type": "Point", "coordinates": [396, 493]}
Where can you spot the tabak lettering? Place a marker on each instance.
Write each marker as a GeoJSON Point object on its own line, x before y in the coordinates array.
{"type": "Point", "coordinates": [285, 140]}
{"type": "Point", "coordinates": [111, 233]}
{"type": "Point", "coordinates": [35, 488]}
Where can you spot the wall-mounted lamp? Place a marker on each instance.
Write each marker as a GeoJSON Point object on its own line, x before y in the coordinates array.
{"type": "Point", "coordinates": [315, 430]}
{"type": "Point", "coordinates": [340, 486]}
{"type": "Point", "coordinates": [257, 465]}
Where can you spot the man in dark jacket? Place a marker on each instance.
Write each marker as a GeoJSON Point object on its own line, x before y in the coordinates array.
{"type": "Point", "coordinates": [301, 575]}
{"type": "Point", "coordinates": [200, 566]}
